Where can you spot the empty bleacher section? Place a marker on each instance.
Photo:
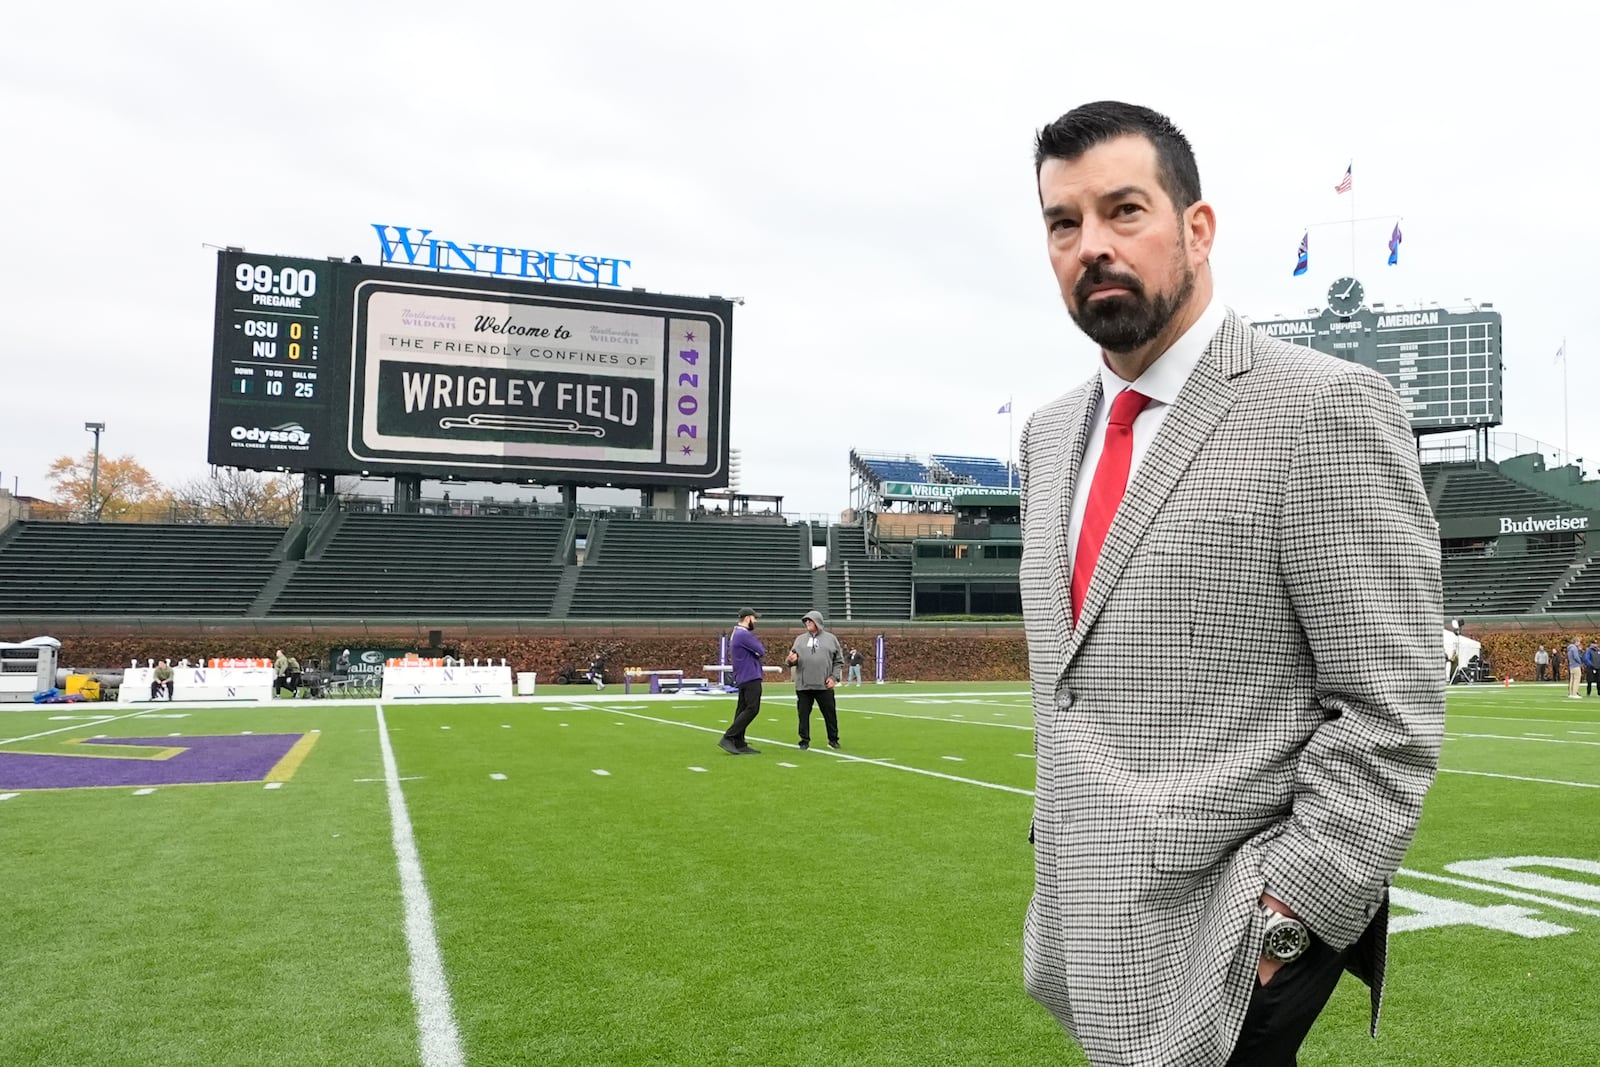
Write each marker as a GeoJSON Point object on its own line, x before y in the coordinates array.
{"type": "Point", "coordinates": [1582, 592]}
{"type": "Point", "coordinates": [1478, 584]}
{"type": "Point", "coordinates": [1469, 490]}
{"type": "Point", "coordinates": [1508, 548]}
{"type": "Point", "coordinates": [884, 468]}
{"type": "Point", "coordinates": [639, 568]}
{"type": "Point", "coordinates": [877, 468]}
{"type": "Point", "coordinates": [66, 568]}
{"type": "Point", "coordinates": [862, 586]}
{"type": "Point", "coordinates": [397, 564]}
{"type": "Point", "coordinates": [974, 470]}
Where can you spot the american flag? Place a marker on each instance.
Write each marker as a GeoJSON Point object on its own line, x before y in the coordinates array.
{"type": "Point", "coordinates": [1345, 182]}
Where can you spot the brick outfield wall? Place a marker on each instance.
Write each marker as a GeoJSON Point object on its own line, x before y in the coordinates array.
{"type": "Point", "coordinates": [928, 656]}
{"type": "Point", "coordinates": [936, 656]}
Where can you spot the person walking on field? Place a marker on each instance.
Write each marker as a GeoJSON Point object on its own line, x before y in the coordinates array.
{"type": "Point", "coordinates": [746, 651]}
{"type": "Point", "coordinates": [818, 662]}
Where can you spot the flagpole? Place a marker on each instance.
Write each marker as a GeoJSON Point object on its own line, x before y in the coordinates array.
{"type": "Point", "coordinates": [1566, 437]}
{"type": "Point", "coordinates": [1352, 216]}
{"type": "Point", "coordinates": [1010, 440]}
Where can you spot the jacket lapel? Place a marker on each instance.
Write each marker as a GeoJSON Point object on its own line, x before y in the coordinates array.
{"type": "Point", "coordinates": [1066, 462]}
{"type": "Point", "coordinates": [1202, 402]}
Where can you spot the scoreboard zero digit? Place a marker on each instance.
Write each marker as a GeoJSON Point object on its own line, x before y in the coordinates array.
{"type": "Point", "coordinates": [1444, 364]}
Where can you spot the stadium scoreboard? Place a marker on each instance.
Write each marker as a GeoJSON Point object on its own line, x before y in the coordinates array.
{"type": "Point", "coordinates": [1444, 364]}
{"type": "Point", "coordinates": [345, 368]}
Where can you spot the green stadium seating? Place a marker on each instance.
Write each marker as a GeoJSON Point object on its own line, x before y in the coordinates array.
{"type": "Point", "coordinates": [639, 568]}
{"type": "Point", "coordinates": [68, 568]}
{"type": "Point", "coordinates": [1583, 592]}
{"type": "Point", "coordinates": [1479, 584]}
{"type": "Point", "coordinates": [411, 565]}
{"type": "Point", "coordinates": [1471, 491]}
{"type": "Point", "coordinates": [863, 587]}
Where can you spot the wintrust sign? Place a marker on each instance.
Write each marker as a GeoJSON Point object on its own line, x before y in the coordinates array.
{"type": "Point", "coordinates": [403, 246]}
{"type": "Point", "coordinates": [1554, 524]}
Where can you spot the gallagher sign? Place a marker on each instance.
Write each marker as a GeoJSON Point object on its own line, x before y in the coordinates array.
{"type": "Point", "coordinates": [406, 247]}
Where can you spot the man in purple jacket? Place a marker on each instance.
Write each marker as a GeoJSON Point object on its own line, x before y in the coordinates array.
{"type": "Point", "coordinates": [746, 651]}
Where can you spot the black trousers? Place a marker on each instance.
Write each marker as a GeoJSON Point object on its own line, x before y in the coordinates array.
{"type": "Point", "coordinates": [822, 698]}
{"type": "Point", "coordinates": [1282, 1011]}
{"type": "Point", "coordinates": [157, 689]}
{"type": "Point", "coordinates": [745, 711]}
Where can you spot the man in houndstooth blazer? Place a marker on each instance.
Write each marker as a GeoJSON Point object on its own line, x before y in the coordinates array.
{"type": "Point", "coordinates": [1274, 534]}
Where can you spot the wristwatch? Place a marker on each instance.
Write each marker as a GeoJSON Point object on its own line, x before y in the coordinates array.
{"type": "Point", "coordinates": [1284, 939]}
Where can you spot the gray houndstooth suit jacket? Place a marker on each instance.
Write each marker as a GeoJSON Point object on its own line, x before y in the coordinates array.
{"type": "Point", "coordinates": [1250, 699]}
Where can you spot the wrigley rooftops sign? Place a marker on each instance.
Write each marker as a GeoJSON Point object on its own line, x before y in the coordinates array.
{"type": "Point", "coordinates": [940, 491]}
{"type": "Point", "coordinates": [1554, 524]}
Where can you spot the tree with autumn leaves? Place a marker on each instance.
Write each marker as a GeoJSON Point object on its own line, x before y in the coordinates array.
{"type": "Point", "coordinates": [128, 492]}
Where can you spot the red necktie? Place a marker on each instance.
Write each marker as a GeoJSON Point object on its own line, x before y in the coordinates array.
{"type": "Point", "coordinates": [1105, 492]}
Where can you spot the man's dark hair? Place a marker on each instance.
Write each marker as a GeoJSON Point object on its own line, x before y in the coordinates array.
{"type": "Point", "coordinates": [1088, 125]}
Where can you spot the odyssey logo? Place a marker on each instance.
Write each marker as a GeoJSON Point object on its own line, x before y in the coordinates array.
{"type": "Point", "coordinates": [288, 433]}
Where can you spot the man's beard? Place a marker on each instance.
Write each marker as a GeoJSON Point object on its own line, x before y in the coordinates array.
{"type": "Point", "coordinates": [1129, 321]}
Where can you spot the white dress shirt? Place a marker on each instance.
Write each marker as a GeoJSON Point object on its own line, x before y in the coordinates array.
{"type": "Point", "coordinates": [1161, 382]}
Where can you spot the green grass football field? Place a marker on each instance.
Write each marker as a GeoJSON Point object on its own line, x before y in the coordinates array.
{"type": "Point", "coordinates": [592, 881]}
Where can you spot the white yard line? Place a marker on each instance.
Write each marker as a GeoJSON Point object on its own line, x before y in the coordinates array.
{"type": "Point", "coordinates": [67, 729]}
{"type": "Point", "coordinates": [955, 722]}
{"type": "Point", "coordinates": [430, 990]}
{"type": "Point", "coordinates": [1519, 718]}
{"type": "Point", "coordinates": [925, 695]}
{"type": "Point", "coordinates": [1511, 737]}
{"type": "Point", "coordinates": [1520, 778]}
{"type": "Point", "coordinates": [838, 755]}
{"type": "Point", "coordinates": [1483, 887]}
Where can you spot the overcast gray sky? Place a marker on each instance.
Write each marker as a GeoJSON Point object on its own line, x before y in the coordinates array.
{"type": "Point", "coordinates": [859, 173]}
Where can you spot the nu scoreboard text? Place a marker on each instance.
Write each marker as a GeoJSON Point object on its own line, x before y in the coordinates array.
{"type": "Point", "coordinates": [339, 367]}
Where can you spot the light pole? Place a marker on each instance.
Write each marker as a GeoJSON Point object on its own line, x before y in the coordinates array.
{"type": "Point", "coordinates": [94, 477]}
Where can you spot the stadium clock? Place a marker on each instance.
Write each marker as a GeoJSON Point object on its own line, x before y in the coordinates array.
{"type": "Point", "coordinates": [1346, 297]}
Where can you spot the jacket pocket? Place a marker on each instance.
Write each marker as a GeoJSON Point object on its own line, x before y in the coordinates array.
{"type": "Point", "coordinates": [1197, 841]}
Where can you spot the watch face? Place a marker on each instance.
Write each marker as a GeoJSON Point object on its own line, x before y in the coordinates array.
{"type": "Point", "coordinates": [1286, 939]}
{"type": "Point", "coordinates": [1346, 297]}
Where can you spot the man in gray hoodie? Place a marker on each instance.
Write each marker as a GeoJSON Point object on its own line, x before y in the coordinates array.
{"type": "Point", "coordinates": [818, 663]}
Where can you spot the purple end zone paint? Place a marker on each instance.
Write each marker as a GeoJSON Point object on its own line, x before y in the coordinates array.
{"type": "Point", "coordinates": [231, 758]}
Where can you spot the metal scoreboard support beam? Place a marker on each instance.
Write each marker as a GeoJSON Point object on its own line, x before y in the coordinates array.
{"type": "Point", "coordinates": [1446, 365]}
{"type": "Point", "coordinates": [343, 368]}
